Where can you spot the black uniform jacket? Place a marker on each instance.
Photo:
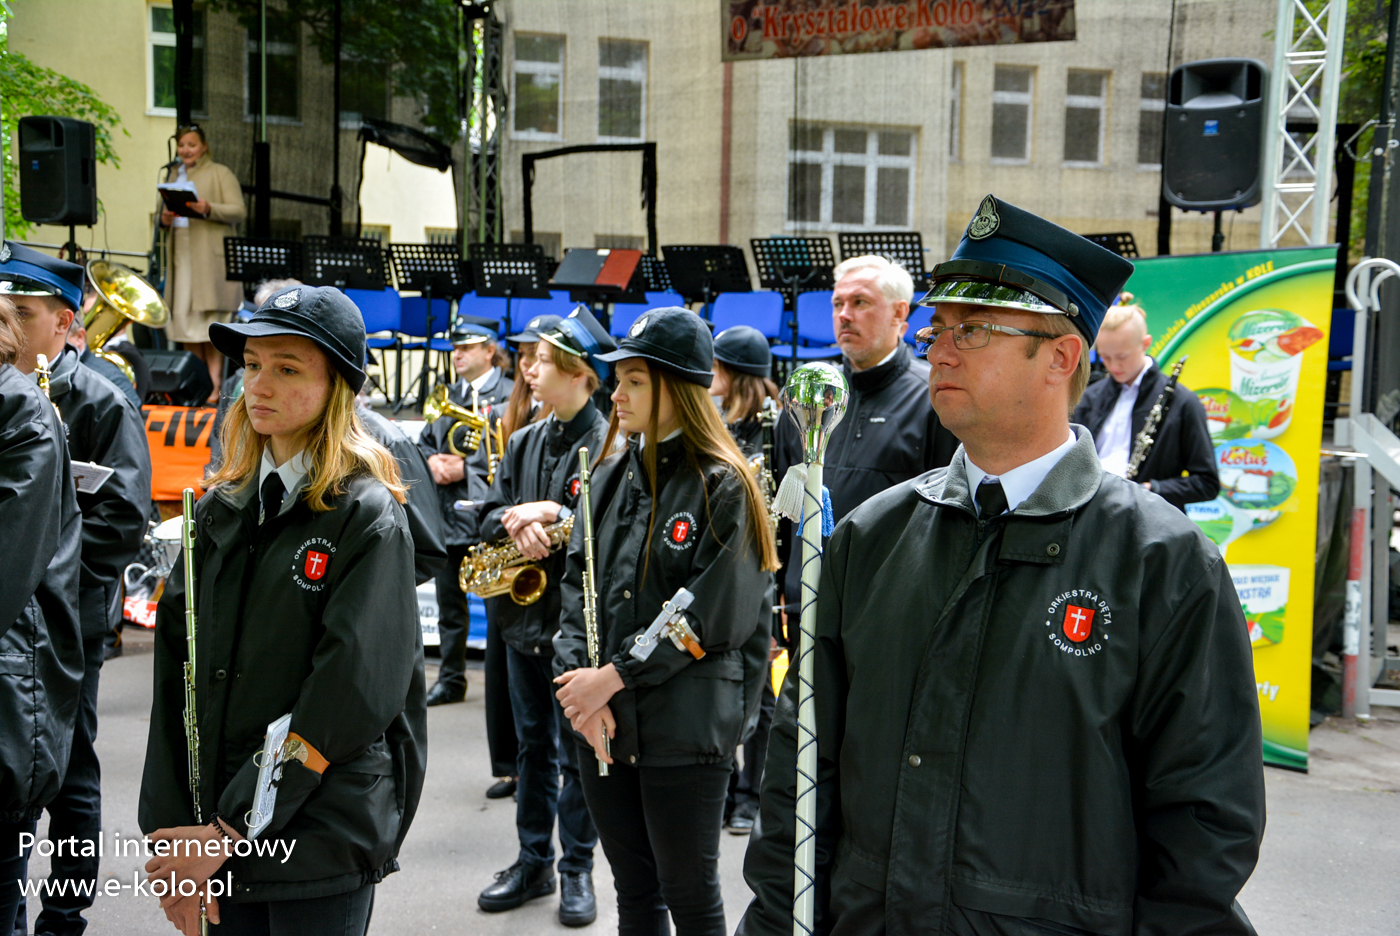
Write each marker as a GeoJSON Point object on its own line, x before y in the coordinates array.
{"type": "Point", "coordinates": [424, 513]}
{"type": "Point", "coordinates": [541, 463]}
{"type": "Point", "coordinates": [107, 369]}
{"type": "Point", "coordinates": [889, 434]}
{"type": "Point", "coordinates": [104, 427]}
{"type": "Point", "coordinates": [1048, 716]}
{"type": "Point", "coordinates": [313, 614]}
{"type": "Point", "coordinates": [675, 710]}
{"type": "Point", "coordinates": [1182, 440]}
{"type": "Point", "coordinates": [41, 649]}
{"type": "Point", "coordinates": [460, 526]}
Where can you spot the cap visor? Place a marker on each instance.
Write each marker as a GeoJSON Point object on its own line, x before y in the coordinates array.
{"type": "Point", "coordinates": [704, 378]}
{"type": "Point", "coordinates": [981, 292]}
{"type": "Point", "coordinates": [229, 337]}
{"type": "Point", "coordinates": [524, 337]}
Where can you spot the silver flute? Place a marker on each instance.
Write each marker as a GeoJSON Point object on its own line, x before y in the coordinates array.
{"type": "Point", "coordinates": [187, 536]}
{"type": "Point", "coordinates": [590, 582]}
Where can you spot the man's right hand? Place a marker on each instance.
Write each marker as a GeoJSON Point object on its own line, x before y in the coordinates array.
{"type": "Point", "coordinates": [447, 469]}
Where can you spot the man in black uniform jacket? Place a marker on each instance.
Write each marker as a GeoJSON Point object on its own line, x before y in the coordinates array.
{"type": "Point", "coordinates": [461, 481]}
{"type": "Point", "coordinates": [105, 428]}
{"type": "Point", "coordinates": [1035, 699]}
{"type": "Point", "coordinates": [423, 510]}
{"type": "Point", "coordinates": [890, 433]}
{"type": "Point", "coordinates": [1180, 466]}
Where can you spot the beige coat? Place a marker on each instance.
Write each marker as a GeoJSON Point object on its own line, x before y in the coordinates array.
{"type": "Point", "coordinates": [195, 288]}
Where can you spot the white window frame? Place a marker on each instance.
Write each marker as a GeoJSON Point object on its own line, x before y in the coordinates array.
{"type": "Point", "coordinates": [165, 40]}
{"type": "Point", "coordinates": [955, 117]}
{"type": "Point", "coordinates": [250, 107]}
{"type": "Point", "coordinates": [1156, 107]}
{"type": "Point", "coordinates": [1027, 98]}
{"type": "Point", "coordinates": [525, 67]}
{"type": "Point", "coordinates": [634, 73]}
{"type": "Point", "coordinates": [829, 159]}
{"type": "Point", "coordinates": [1097, 102]}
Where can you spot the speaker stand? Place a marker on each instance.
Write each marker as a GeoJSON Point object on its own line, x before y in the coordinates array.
{"type": "Point", "coordinates": [1217, 240]}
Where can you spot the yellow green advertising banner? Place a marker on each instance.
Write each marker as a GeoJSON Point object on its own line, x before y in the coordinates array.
{"type": "Point", "coordinates": [1254, 326]}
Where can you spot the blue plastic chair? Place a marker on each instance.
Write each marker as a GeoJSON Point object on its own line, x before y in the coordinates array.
{"type": "Point", "coordinates": [762, 310]}
{"type": "Point", "coordinates": [664, 300]}
{"type": "Point", "coordinates": [415, 322]}
{"type": "Point", "coordinates": [814, 329]}
{"type": "Point", "coordinates": [382, 311]}
{"type": "Point", "coordinates": [624, 314]}
{"type": "Point", "coordinates": [489, 307]}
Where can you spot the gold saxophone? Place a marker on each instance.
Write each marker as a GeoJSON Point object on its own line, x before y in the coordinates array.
{"type": "Point", "coordinates": [499, 568]}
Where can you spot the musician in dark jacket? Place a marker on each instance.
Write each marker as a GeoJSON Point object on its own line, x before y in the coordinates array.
{"type": "Point", "coordinates": [890, 433]}
{"type": "Point", "coordinates": [104, 428]}
{"type": "Point", "coordinates": [1034, 690]}
{"type": "Point", "coordinates": [461, 484]}
{"type": "Point", "coordinates": [536, 489]}
{"type": "Point", "coordinates": [1180, 465]}
{"type": "Point", "coordinates": [423, 511]}
{"type": "Point", "coordinates": [40, 634]}
{"type": "Point", "coordinates": [677, 508]}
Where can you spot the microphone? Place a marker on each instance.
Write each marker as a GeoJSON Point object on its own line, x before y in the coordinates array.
{"type": "Point", "coordinates": [172, 164]}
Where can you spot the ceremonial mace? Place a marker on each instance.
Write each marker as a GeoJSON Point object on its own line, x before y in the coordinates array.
{"type": "Point", "coordinates": [815, 397]}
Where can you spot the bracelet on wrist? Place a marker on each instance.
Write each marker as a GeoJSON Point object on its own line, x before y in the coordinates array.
{"type": "Point", "coordinates": [219, 828]}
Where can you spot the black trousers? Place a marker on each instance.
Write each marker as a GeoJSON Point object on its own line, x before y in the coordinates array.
{"type": "Point", "coordinates": [660, 831]}
{"type": "Point", "coordinates": [75, 812]}
{"type": "Point", "coordinates": [14, 863]}
{"type": "Point", "coordinates": [746, 781]}
{"type": "Point", "coordinates": [337, 915]}
{"type": "Point", "coordinates": [452, 622]}
{"type": "Point", "coordinates": [500, 722]}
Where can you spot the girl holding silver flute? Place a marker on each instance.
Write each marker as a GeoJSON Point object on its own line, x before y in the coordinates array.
{"type": "Point", "coordinates": [678, 518]}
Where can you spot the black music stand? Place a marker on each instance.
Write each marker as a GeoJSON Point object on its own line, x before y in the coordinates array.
{"type": "Point", "coordinates": [427, 269]}
{"type": "Point", "coordinates": [655, 276]}
{"type": "Point", "coordinates": [793, 265]}
{"type": "Point", "coordinates": [587, 273]}
{"type": "Point", "coordinates": [905, 248]}
{"type": "Point", "coordinates": [511, 278]}
{"type": "Point", "coordinates": [487, 250]}
{"type": "Point", "coordinates": [702, 271]}
{"type": "Point", "coordinates": [1120, 242]}
{"type": "Point", "coordinates": [251, 260]}
{"type": "Point", "coordinates": [344, 262]}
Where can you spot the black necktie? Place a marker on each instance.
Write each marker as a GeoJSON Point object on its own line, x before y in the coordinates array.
{"type": "Point", "coordinates": [991, 500]}
{"type": "Point", "coordinates": [272, 491]}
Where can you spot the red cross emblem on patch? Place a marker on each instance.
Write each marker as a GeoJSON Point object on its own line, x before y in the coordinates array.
{"type": "Point", "coordinates": [573, 487]}
{"type": "Point", "coordinates": [1078, 622]}
{"type": "Point", "coordinates": [316, 564]}
{"type": "Point", "coordinates": [680, 530]}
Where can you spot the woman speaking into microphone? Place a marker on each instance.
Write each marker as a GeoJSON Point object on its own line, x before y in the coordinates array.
{"type": "Point", "coordinates": [304, 589]}
{"type": "Point", "coordinates": [678, 508]}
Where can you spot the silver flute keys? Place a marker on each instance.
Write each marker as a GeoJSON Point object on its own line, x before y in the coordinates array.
{"type": "Point", "coordinates": [590, 581]}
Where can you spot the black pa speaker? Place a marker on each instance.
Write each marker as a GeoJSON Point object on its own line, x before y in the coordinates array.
{"type": "Point", "coordinates": [1214, 140]}
{"type": "Point", "coordinates": [178, 378]}
{"type": "Point", "coordinates": [57, 171]}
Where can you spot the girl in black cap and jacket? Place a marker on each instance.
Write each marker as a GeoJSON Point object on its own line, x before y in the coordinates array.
{"type": "Point", "coordinates": [305, 595]}
{"type": "Point", "coordinates": [677, 508]}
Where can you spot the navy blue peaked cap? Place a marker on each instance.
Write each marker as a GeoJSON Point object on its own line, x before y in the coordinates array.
{"type": "Point", "coordinates": [26, 272]}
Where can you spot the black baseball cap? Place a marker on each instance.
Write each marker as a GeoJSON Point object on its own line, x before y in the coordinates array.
{"type": "Point", "coordinates": [676, 339]}
{"type": "Point", "coordinates": [322, 313]}
{"type": "Point", "coordinates": [743, 348]}
{"type": "Point", "coordinates": [534, 328]}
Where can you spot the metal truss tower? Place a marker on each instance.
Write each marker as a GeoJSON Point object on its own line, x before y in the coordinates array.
{"type": "Point", "coordinates": [484, 115]}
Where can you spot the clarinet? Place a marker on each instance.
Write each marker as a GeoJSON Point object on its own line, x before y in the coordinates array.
{"type": "Point", "coordinates": [590, 581]}
{"type": "Point", "coordinates": [187, 537]}
{"type": "Point", "coordinates": [1143, 443]}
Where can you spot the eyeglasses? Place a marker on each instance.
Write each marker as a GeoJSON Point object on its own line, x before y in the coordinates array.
{"type": "Point", "coordinates": [968, 336]}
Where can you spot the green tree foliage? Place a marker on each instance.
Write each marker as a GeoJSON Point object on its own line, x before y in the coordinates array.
{"type": "Point", "coordinates": [27, 88]}
{"type": "Point", "coordinates": [417, 38]}
{"type": "Point", "coordinates": [1363, 75]}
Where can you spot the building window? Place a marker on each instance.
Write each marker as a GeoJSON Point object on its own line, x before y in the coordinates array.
{"type": "Point", "coordinates": [1013, 90]}
{"type": "Point", "coordinates": [849, 178]}
{"type": "Point", "coordinates": [441, 235]}
{"type": "Point", "coordinates": [1152, 106]}
{"type": "Point", "coordinates": [622, 90]}
{"type": "Point", "coordinates": [955, 113]}
{"type": "Point", "coordinates": [539, 77]}
{"type": "Point", "coordinates": [1086, 93]}
{"type": "Point", "coordinates": [283, 71]}
{"type": "Point", "coordinates": [160, 72]}
{"type": "Point", "coordinates": [364, 92]}
{"type": "Point", "coordinates": [551, 242]}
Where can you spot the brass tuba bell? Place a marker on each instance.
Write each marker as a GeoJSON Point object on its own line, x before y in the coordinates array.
{"type": "Point", "coordinates": [438, 405]}
{"type": "Point", "coordinates": [122, 296]}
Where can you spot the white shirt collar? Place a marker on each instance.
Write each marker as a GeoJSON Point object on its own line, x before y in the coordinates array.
{"type": "Point", "coordinates": [642, 439]}
{"type": "Point", "coordinates": [1020, 482]}
{"type": "Point", "coordinates": [479, 383]}
{"type": "Point", "coordinates": [293, 472]}
{"type": "Point", "coordinates": [1136, 382]}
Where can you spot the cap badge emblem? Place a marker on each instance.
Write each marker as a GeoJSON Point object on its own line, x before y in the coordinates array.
{"type": "Point", "coordinates": [534, 323]}
{"type": "Point", "coordinates": [986, 221]}
{"type": "Point", "coordinates": [287, 299]}
{"type": "Point", "coordinates": [637, 327]}
{"type": "Point", "coordinates": [5, 252]}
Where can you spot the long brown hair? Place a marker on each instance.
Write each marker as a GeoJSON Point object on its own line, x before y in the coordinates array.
{"type": "Point", "coordinates": [518, 414]}
{"type": "Point", "coordinates": [11, 336]}
{"type": "Point", "coordinates": [338, 448]}
{"type": "Point", "coordinates": [702, 436]}
{"type": "Point", "coordinates": [746, 394]}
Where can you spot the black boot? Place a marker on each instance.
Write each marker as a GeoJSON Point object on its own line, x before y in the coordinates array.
{"type": "Point", "coordinates": [442, 694]}
{"type": "Point", "coordinates": [577, 905]}
{"type": "Point", "coordinates": [515, 885]}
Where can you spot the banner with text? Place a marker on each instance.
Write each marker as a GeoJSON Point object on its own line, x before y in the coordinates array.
{"type": "Point", "coordinates": [1254, 325]}
{"type": "Point", "coordinates": [765, 29]}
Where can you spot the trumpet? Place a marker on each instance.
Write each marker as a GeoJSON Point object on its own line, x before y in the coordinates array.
{"type": "Point", "coordinates": [499, 567]}
{"type": "Point", "coordinates": [438, 404]}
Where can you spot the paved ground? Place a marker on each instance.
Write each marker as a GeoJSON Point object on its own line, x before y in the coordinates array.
{"type": "Point", "coordinates": [1328, 865]}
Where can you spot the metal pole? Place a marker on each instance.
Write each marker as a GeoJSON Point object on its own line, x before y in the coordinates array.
{"type": "Point", "coordinates": [262, 70]}
{"type": "Point", "coordinates": [1274, 128]}
{"type": "Point", "coordinates": [335, 219]}
{"type": "Point", "coordinates": [1325, 151]}
{"type": "Point", "coordinates": [1351, 628]}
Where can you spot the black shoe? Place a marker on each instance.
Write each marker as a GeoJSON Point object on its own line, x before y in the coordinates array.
{"type": "Point", "coordinates": [741, 821]}
{"type": "Point", "coordinates": [502, 788]}
{"type": "Point", "coordinates": [577, 905]}
{"type": "Point", "coordinates": [441, 694]}
{"type": "Point", "coordinates": [515, 885]}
